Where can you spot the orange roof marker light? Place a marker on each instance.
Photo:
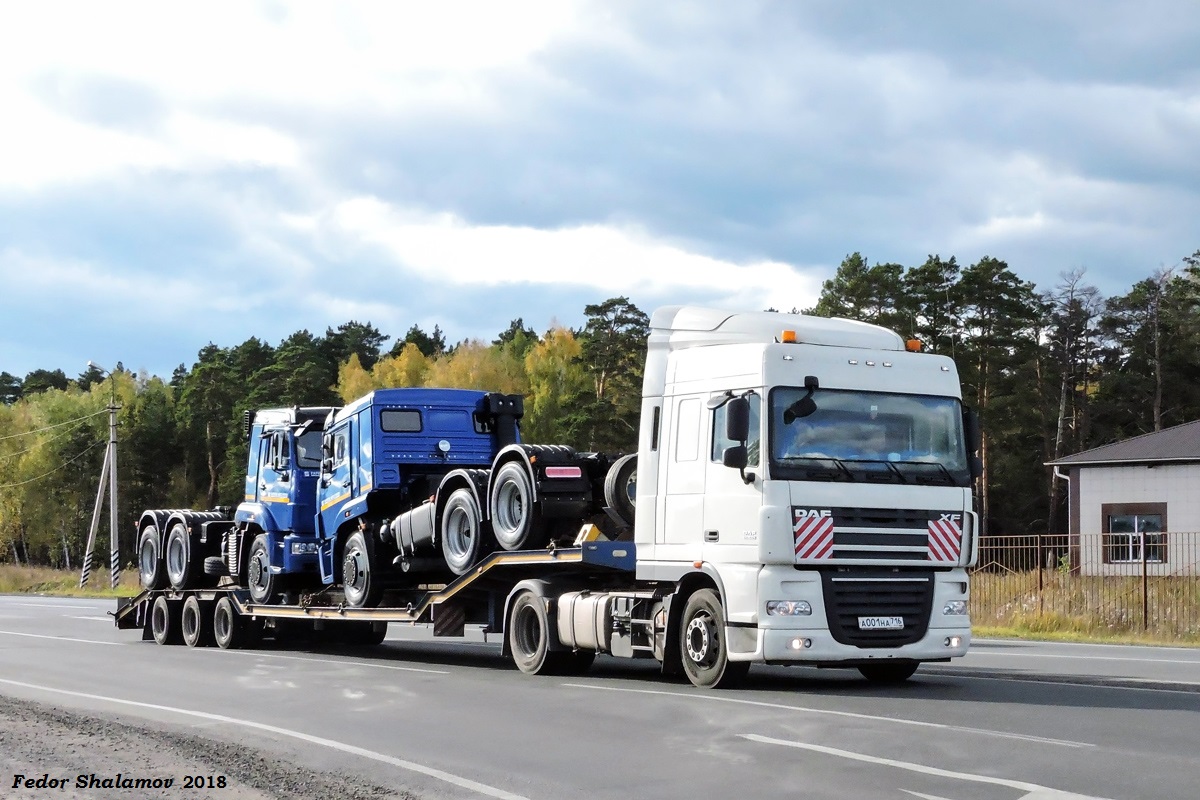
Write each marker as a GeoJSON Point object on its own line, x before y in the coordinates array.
{"type": "Point", "coordinates": [913, 345]}
{"type": "Point", "coordinates": [788, 337]}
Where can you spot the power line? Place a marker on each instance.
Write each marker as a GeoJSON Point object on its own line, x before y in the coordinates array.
{"type": "Point", "coordinates": [52, 427]}
{"type": "Point", "coordinates": [54, 438]}
{"type": "Point", "coordinates": [56, 469]}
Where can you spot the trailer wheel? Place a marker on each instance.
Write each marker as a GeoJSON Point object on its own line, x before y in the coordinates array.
{"type": "Point", "coordinates": [529, 637]}
{"type": "Point", "coordinates": [178, 557]}
{"type": "Point", "coordinates": [151, 569]}
{"type": "Point", "coordinates": [263, 585]}
{"type": "Point", "coordinates": [702, 644]}
{"type": "Point", "coordinates": [365, 634]}
{"type": "Point", "coordinates": [164, 621]}
{"type": "Point", "coordinates": [196, 622]}
{"type": "Point", "coordinates": [620, 488]}
{"type": "Point", "coordinates": [889, 672]}
{"type": "Point", "coordinates": [360, 581]}
{"type": "Point", "coordinates": [462, 531]}
{"type": "Point", "coordinates": [516, 519]}
{"type": "Point", "coordinates": [229, 630]}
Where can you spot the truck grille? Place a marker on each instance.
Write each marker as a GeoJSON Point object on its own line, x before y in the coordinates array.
{"type": "Point", "coordinates": [850, 594]}
{"type": "Point", "coordinates": [913, 536]}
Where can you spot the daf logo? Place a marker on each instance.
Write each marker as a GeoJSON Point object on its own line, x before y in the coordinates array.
{"type": "Point", "coordinates": [801, 513]}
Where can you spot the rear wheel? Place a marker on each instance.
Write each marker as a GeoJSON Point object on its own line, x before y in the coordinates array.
{"type": "Point", "coordinates": [231, 631]}
{"type": "Point", "coordinates": [151, 569]}
{"type": "Point", "coordinates": [196, 622]}
{"type": "Point", "coordinates": [263, 585]}
{"type": "Point", "coordinates": [702, 645]}
{"type": "Point", "coordinates": [516, 521]}
{"type": "Point", "coordinates": [164, 621]}
{"type": "Point", "coordinates": [462, 531]}
{"type": "Point", "coordinates": [529, 640]}
{"type": "Point", "coordinates": [178, 557]}
{"type": "Point", "coordinates": [360, 581]}
{"type": "Point", "coordinates": [889, 672]}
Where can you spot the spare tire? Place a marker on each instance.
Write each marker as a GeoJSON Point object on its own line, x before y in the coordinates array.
{"type": "Point", "coordinates": [620, 488]}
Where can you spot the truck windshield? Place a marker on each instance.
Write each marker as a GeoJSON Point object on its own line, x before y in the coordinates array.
{"type": "Point", "coordinates": [867, 436]}
{"type": "Point", "coordinates": [308, 450]}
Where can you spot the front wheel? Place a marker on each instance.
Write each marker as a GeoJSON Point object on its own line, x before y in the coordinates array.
{"type": "Point", "coordinates": [702, 645]}
{"type": "Point", "coordinates": [889, 671]}
{"type": "Point", "coordinates": [360, 579]}
{"type": "Point", "coordinates": [151, 568]}
{"type": "Point", "coordinates": [178, 557]}
{"type": "Point", "coordinates": [263, 585]}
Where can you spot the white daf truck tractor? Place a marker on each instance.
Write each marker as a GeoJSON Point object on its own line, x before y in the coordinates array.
{"type": "Point", "coordinates": [801, 495]}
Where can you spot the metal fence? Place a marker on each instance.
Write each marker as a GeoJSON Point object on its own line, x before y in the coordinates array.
{"type": "Point", "coordinates": [1111, 583]}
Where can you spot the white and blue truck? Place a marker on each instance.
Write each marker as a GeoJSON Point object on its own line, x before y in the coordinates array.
{"type": "Point", "coordinates": [801, 494]}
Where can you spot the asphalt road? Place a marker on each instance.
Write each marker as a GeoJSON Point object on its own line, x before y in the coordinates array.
{"type": "Point", "coordinates": [451, 719]}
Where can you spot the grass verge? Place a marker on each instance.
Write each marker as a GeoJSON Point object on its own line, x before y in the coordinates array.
{"type": "Point", "coordinates": [16, 579]}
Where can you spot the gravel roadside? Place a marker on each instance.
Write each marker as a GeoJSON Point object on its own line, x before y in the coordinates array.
{"type": "Point", "coordinates": [95, 757]}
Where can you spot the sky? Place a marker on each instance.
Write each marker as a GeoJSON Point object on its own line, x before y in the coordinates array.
{"type": "Point", "coordinates": [178, 174]}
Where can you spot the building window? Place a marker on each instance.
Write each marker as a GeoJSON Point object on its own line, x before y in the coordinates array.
{"type": "Point", "coordinates": [1132, 530]}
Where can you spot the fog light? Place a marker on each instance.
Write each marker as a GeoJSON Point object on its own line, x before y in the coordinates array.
{"type": "Point", "coordinates": [788, 608]}
{"type": "Point", "coordinates": [304, 548]}
{"type": "Point", "coordinates": [800, 644]}
{"type": "Point", "coordinates": [955, 608]}
{"type": "Point", "coordinates": [952, 641]}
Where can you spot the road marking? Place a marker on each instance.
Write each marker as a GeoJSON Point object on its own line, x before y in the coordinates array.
{"type": "Point", "coordinates": [53, 605]}
{"type": "Point", "coordinates": [849, 714]}
{"type": "Point", "coordinates": [1033, 791]}
{"type": "Point", "coordinates": [94, 619]}
{"type": "Point", "coordinates": [341, 662]}
{"type": "Point", "coordinates": [57, 638]}
{"type": "Point", "coordinates": [1092, 681]}
{"type": "Point", "coordinates": [986, 653]}
{"type": "Point", "coordinates": [412, 766]}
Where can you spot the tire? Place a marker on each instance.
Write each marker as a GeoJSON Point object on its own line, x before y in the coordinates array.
{"type": "Point", "coordinates": [516, 519]}
{"type": "Point", "coordinates": [263, 585]}
{"type": "Point", "coordinates": [702, 644]}
{"type": "Point", "coordinates": [461, 529]}
{"type": "Point", "coordinates": [529, 636]}
{"type": "Point", "coordinates": [177, 555]}
{"type": "Point", "coordinates": [889, 672]}
{"type": "Point", "coordinates": [164, 621]}
{"type": "Point", "coordinates": [364, 634]}
{"type": "Point", "coordinates": [360, 573]}
{"type": "Point", "coordinates": [231, 631]}
{"type": "Point", "coordinates": [196, 622]}
{"type": "Point", "coordinates": [620, 488]}
{"type": "Point", "coordinates": [577, 662]}
{"type": "Point", "coordinates": [151, 569]}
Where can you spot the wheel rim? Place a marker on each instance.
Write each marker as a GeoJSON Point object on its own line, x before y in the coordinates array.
{"type": "Point", "coordinates": [158, 620]}
{"type": "Point", "coordinates": [527, 631]}
{"type": "Point", "coordinates": [222, 623]}
{"type": "Point", "coordinates": [459, 533]}
{"type": "Point", "coordinates": [511, 505]}
{"type": "Point", "coordinates": [353, 573]}
{"type": "Point", "coordinates": [175, 558]}
{"type": "Point", "coordinates": [148, 559]}
{"type": "Point", "coordinates": [256, 575]}
{"type": "Point", "coordinates": [630, 488]}
{"type": "Point", "coordinates": [191, 621]}
{"type": "Point", "coordinates": [702, 647]}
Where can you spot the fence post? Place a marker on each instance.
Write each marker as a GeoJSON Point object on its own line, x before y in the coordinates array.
{"type": "Point", "coordinates": [1145, 587]}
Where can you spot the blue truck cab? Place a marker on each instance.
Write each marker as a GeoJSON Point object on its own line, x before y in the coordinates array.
{"type": "Point", "coordinates": [388, 452]}
{"type": "Point", "coordinates": [279, 503]}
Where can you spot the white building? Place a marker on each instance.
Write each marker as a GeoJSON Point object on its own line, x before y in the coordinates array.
{"type": "Point", "coordinates": [1136, 500]}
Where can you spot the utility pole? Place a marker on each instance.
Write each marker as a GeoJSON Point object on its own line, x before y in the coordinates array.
{"type": "Point", "coordinates": [109, 470]}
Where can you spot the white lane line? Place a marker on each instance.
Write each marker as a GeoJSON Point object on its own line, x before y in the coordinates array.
{"type": "Point", "coordinates": [56, 605]}
{"type": "Point", "coordinates": [258, 653]}
{"type": "Point", "coordinates": [986, 653]}
{"type": "Point", "coordinates": [1033, 678]}
{"type": "Point", "coordinates": [341, 662]}
{"type": "Point", "coordinates": [57, 638]}
{"type": "Point", "coordinates": [412, 766]}
{"type": "Point", "coordinates": [849, 714]}
{"type": "Point", "coordinates": [1033, 790]}
{"type": "Point", "coordinates": [95, 619]}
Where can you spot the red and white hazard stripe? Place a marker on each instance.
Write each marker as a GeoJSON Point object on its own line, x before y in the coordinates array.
{"type": "Point", "coordinates": [945, 541]}
{"type": "Point", "coordinates": [814, 536]}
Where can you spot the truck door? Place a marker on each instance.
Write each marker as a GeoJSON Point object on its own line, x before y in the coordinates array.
{"type": "Point", "coordinates": [683, 496]}
{"type": "Point", "coordinates": [274, 487]}
{"type": "Point", "coordinates": [731, 506]}
{"type": "Point", "coordinates": [337, 482]}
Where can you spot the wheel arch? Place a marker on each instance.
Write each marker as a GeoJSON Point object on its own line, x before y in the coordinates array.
{"type": "Point", "coordinates": [685, 587]}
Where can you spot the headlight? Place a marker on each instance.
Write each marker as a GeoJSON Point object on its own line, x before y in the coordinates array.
{"type": "Point", "coordinates": [304, 548]}
{"type": "Point", "coordinates": [955, 608]}
{"type": "Point", "coordinates": [788, 608]}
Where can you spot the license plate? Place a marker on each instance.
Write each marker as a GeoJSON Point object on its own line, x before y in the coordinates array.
{"type": "Point", "coordinates": [880, 623]}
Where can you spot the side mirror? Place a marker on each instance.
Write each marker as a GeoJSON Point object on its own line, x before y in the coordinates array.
{"type": "Point", "coordinates": [735, 457]}
{"type": "Point", "coordinates": [737, 420]}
